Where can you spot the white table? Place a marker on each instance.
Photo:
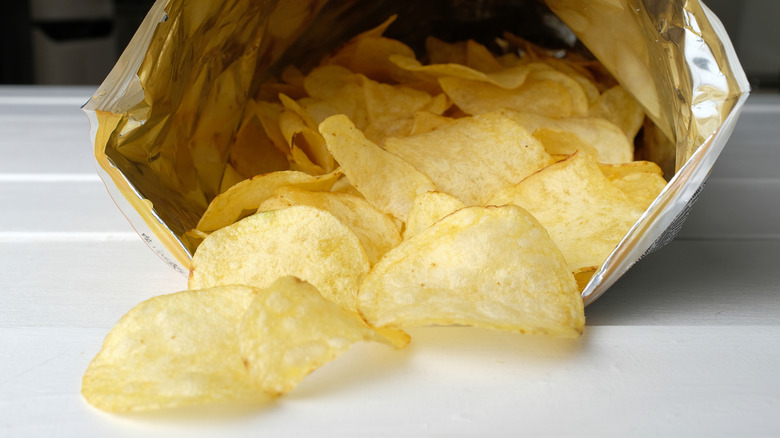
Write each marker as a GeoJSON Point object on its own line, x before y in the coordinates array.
{"type": "Point", "coordinates": [686, 344]}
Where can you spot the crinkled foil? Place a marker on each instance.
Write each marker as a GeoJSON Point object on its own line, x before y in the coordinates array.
{"type": "Point", "coordinates": [163, 119]}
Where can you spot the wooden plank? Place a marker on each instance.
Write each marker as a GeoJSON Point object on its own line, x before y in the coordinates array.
{"type": "Point", "coordinates": [653, 381]}
{"type": "Point", "coordinates": [57, 144]}
{"type": "Point", "coordinates": [697, 282]}
{"type": "Point", "coordinates": [735, 209]}
{"type": "Point", "coordinates": [56, 206]}
{"type": "Point", "coordinates": [79, 283]}
{"type": "Point", "coordinates": [753, 151]}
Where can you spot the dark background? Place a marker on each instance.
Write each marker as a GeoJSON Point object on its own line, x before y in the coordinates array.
{"type": "Point", "coordinates": [78, 41]}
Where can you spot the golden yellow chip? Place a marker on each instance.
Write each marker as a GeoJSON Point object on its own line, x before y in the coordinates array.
{"type": "Point", "coordinates": [614, 171]}
{"type": "Point", "coordinates": [230, 177]}
{"type": "Point", "coordinates": [442, 52]}
{"type": "Point", "coordinates": [585, 214]}
{"type": "Point", "coordinates": [324, 81]}
{"type": "Point", "coordinates": [549, 98]}
{"type": "Point", "coordinates": [583, 276]}
{"type": "Point", "coordinates": [620, 108]}
{"type": "Point", "coordinates": [472, 157]}
{"type": "Point", "coordinates": [480, 58]}
{"type": "Point", "coordinates": [429, 208]}
{"type": "Point", "coordinates": [386, 181]}
{"type": "Point", "coordinates": [301, 241]}
{"type": "Point", "coordinates": [424, 121]}
{"type": "Point", "coordinates": [607, 140]}
{"type": "Point", "coordinates": [290, 330]}
{"type": "Point", "coordinates": [642, 188]}
{"type": "Point", "coordinates": [253, 152]}
{"type": "Point", "coordinates": [242, 199]}
{"type": "Point", "coordinates": [492, 267]}
{"type": "Point", "coordinates": [174, 350]}
{"type": "Point", "coordinates": [268, 115]}
{"type": "Point", "coordinates": [508, 78]}
{"type": "Point", "coordinates": [368, 54]}
{"type": "Point", "coordinates": [377, 231]}
{"type": "Point", "coordinates": [560, 143]}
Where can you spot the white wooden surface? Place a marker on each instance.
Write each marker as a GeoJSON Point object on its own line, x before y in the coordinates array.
{"type": "Point", "coordinates": [686, 344]}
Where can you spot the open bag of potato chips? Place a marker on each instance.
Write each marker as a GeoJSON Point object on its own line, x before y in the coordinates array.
{"type": "Point", "coordinates": [395, 164]}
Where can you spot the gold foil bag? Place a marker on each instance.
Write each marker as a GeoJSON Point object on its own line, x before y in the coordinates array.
{"type": "Point", "coordinates": [163, 119]}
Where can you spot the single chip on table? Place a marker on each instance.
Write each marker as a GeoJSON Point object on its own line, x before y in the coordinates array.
{"type": "Point", "coordinates": [174, 350]}
{"type": "Point", "coordinates": [585, 214]}
{"type": "Point", "coordinates": [302, 241]}
{"type": "Point", "coordinates": [377, 231]}
{"type": "Point", "coordinates": [429, 208]}
{"type": "Point", "coordinates": [472, 157]}
{"type": "Point", "coordinates": [243, 198]}
{"type": "Point", "coordinates": [384, 179]}
{"type": "Point", "coordinates": [290, 330]}
{"type": "Point", "coordinates": [492, 267]}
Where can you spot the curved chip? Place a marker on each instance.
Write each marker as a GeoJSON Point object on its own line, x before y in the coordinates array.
{"type": "Point", "coordinates": [174, 350]}
{"type": "Point", "coordinates": [377, 231]}
{"type": "Point", "coordinates": [429, 208]}
{"type": "Point", "coordinates": [385, 180]}
{"type": "Point", "coordinates": [585, 214]}
{"type": "Point", "coordinates": [290, 330]}
{"type": "Point", "coordinates": [243, 198]}
{"type": "Point", "coordinates": [492, 267]}
{"type": "Point", "coordinates": [302, 241]}
{"type": "Point", "coordinates": [601, 136]}
{"type": "Point", "coordinates": [472, 157]}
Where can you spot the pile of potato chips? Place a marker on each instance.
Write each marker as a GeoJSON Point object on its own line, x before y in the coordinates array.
{"type": "Point", "coordinates": [376, 193]}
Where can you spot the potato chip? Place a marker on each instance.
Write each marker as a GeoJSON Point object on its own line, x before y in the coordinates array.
{"type": "Point", "coordinates": [561, 143]}
{"type": "Point", "coordinates": [390, 108]}
{"type": "Point", "coordinates": [424, 121]}
{"type": "Point", "coordinates": [442, 52]}
{"type": "Point", "coordinates": [386, 181]}
{"type": "Point", "coordinates": [230, 177]}
{"type": "Point", "coordinates": [642, 188]}
{"type": "Point", "coordinates": [174, 350]}
{"type": "Point", "coordinates": [307, 145]}
{"type": "Point", "coordinates": [614, 171]}
{"type": "Point", "coordinates": [290, 330]}
{"type": "Point", "coordinates": [301, 241]}
{"type": "Point", "coordinates": [579, 74]}
{"type": "Point", "coordinates": [429, 208]}
{"type": "Point", "coordinates": [583, 276]}
{"type": "Point", "coordinates": [609, 142]}
{"type": "Point", "coordinates": [368, 53]}
{"type": "Point", "coordinates": [508, 78]}
{"type": "Point", "coordinates": [268, 115]}
{"type": "Point", "coordinates": [545, 97]}
{"type": "Point", "coordinates": [253, 152]}
{"type": "Point", "coordinates": [243, 198]}
{"type": "Point", "coordinates": [472, 157]}
{"type": "Point", "coordinates": [492, 267]}
{"type": "Point", "coordinates": [377, 232]}
{"type": "Point", "coordinates": [324, 81]}
{"type": "Point", "coordinates": [585, 214]}
{"type": "Point", "coordinates": [480, 58]}
{"type": "Point", "coordinates": [620, 108]}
